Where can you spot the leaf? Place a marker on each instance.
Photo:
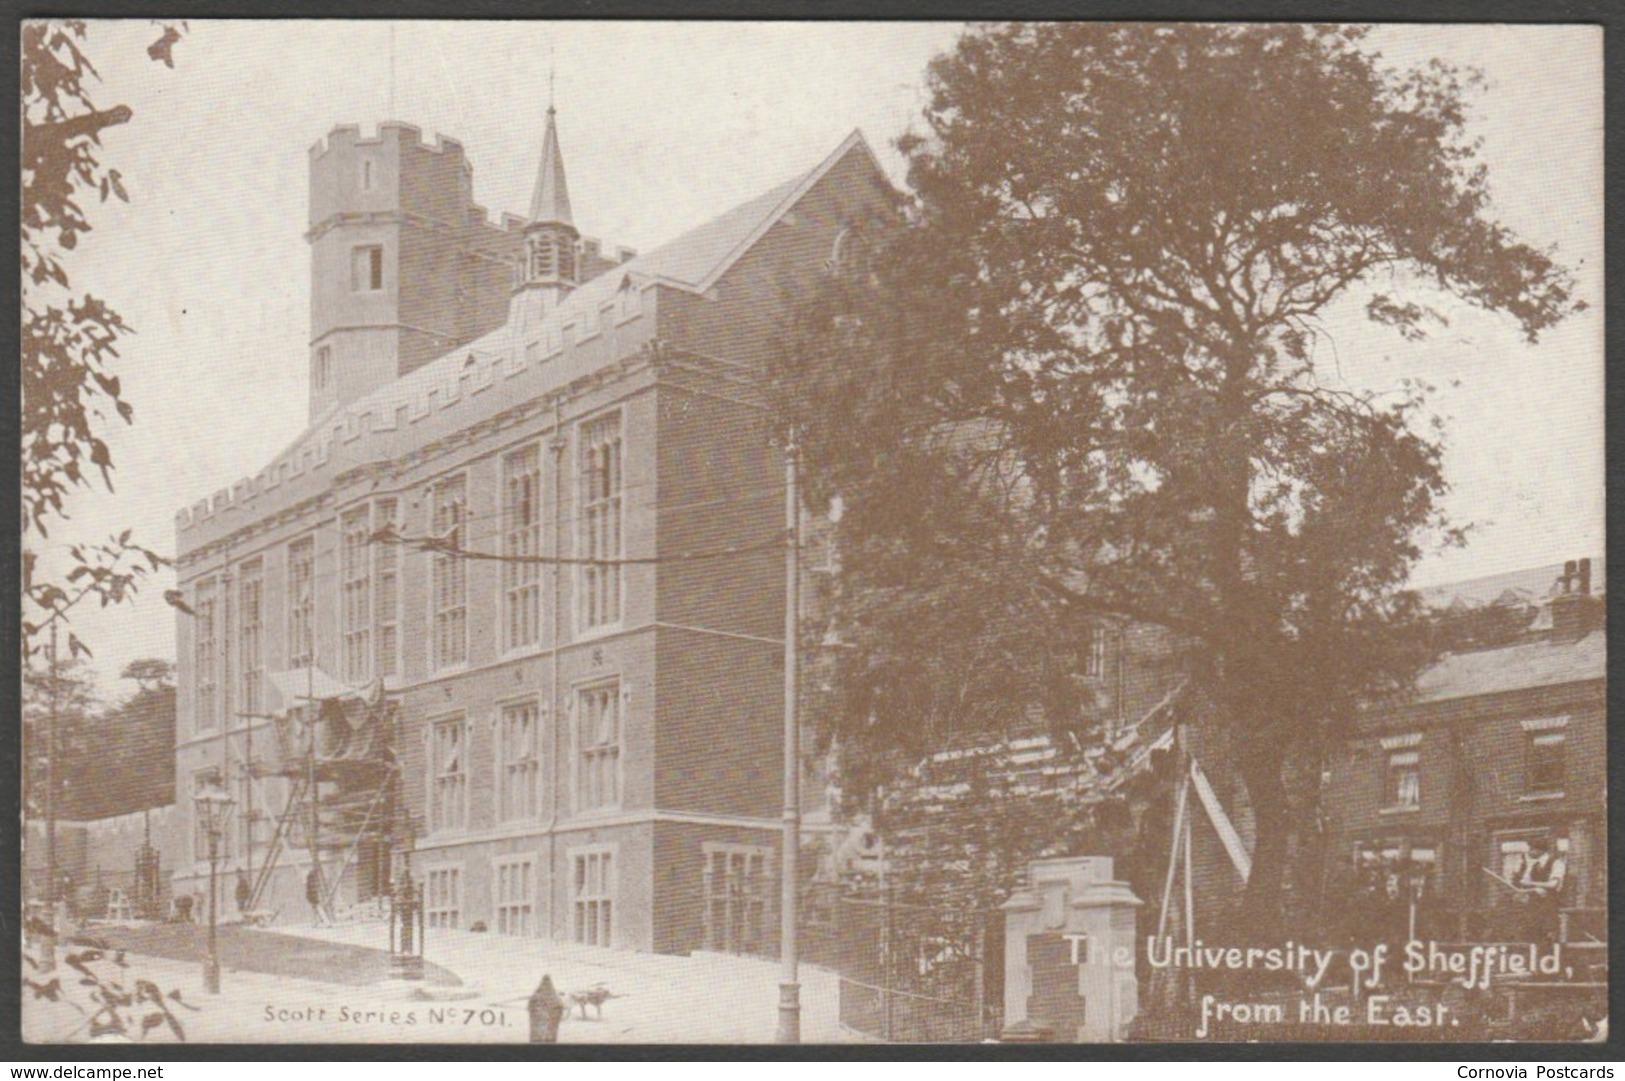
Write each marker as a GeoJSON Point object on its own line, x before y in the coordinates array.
{"type": "Point", "coordinates": [51, 992]}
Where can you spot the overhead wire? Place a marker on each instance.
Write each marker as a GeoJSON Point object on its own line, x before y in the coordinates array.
{"type": "Point", "coordinates": [438, 546]}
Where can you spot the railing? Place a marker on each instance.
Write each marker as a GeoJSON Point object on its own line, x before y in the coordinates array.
{"type": "Point", "coordinates": [910, 973]}
{"type": "Point", "coordinates": [905, 1017]}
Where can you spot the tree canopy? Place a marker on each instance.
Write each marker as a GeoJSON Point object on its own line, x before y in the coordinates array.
{"type": "Point", "coordinates": [69, 340]}
{"type": "Point", "coordinates": [1084, 379]}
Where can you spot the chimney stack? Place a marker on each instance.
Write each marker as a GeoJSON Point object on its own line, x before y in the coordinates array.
{"type": "Point", "coordinates": [1571, 607]}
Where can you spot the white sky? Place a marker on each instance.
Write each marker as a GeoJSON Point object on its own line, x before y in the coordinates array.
{"type": "Point", "coordinates": [664, 126]}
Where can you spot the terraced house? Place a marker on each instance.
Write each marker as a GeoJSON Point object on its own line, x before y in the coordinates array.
{"type": "Point", "coordinates": [507, 615]}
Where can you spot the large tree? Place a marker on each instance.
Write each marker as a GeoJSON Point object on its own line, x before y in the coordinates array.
{"type": "Point", "coordinates": [59, 716]}
{"type": "Point", "coordinates": [69, 339]}
{"type": "Point", "coordinates": [1082, 381]}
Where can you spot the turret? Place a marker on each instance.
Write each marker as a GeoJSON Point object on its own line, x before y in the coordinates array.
{"type": "Point", "coordinates": [551, 264]}
{"type": "Point", "coordinates": [404, 267]}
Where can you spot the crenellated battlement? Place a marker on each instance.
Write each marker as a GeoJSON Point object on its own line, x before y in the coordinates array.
{"type": "Point", "coordinates": [344, 137]}
{"type": "Point", "coordinates": [578, 327]}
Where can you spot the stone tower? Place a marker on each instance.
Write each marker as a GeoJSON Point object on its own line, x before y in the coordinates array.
{"type": "Point", "coordinates": [404, 265]}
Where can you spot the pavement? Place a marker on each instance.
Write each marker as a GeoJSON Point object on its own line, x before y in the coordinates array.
{"type": "Point", "coordinates": [274, 953]}
{"type": "Point", "coordinates": [701, 998]}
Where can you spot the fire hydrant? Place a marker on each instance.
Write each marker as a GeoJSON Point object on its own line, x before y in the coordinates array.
{"type": "Point", "coordinates": [546, 1009]}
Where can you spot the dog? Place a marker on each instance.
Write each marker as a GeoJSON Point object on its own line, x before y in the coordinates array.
{"type": "Point", "coordinates": [594, 997]}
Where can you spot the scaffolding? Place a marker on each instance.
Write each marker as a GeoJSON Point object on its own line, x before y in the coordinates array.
{"type": "Point", "coordinates": [336, 751]}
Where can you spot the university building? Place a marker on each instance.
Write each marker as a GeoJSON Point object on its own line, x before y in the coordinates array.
{"type": "Point", "coordinates": [508, 614]}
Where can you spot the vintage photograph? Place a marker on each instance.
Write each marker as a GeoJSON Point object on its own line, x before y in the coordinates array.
{"type": "Point", "coordinates": [803, 533]}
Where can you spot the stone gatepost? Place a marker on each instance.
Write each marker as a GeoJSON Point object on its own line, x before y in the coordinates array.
{"type": "Point", "coordinates": [1069, 941]}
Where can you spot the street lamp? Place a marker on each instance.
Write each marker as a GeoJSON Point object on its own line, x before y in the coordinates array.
{"type": "Point", "coordinates": [789, 1028]}
{"type": "Point", "coordinates": [213, 807]}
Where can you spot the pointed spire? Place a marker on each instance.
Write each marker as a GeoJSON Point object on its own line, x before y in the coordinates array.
{"type": "Point", "coordinates": [550, 204]}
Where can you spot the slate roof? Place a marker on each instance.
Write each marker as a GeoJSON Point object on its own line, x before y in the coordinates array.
{"type": "Point", "coordinates": [692, 261]}
{"type": "Point", "coordinates": [1532, 585]}
{"type": "Point", "coordinates": [1540, 662]}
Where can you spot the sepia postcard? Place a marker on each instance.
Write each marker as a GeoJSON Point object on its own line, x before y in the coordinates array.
{"type": "Point", "coordinates": [734, 533]}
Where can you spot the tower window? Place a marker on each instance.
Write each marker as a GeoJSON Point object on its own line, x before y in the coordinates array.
{"type": "Point", "coordinates": [367, 269]}
{"type": "Point", "coordinates": [366, 174]}
{"type": "Point", "coordinates": [324, 366]}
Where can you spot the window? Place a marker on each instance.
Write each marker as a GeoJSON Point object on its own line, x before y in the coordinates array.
{"type": "Point", "coordinates": [1547, 763]}
{"type": "Point", "coordinates": [324, 366]}
{"type": "Point", "coordinates": [544, 257]}
{"type": "Point", "coordinates": [1396, 867]}
{"type": "Point", "coordinates": [443, 897]}
{"type": "Point", "coordinates": [206, 655]}
{"type": "Point", "coordinates": [521, 539]}
{"type": "Point", "coordinates": [251, 635]}
{"type": "Point", "coordinates": [1402, 781]}
{"type": "Point", "coordinates": [356, 574]}
{"type": "Point", "coordinates": [448, 808]}
{"type": "Point", "coordinates": [518, 761]}
{"type": "Point", "coordinates": [594, 895]}
{"type": "Point", "coordinates": [302, 603]}
{"type": "Point", "coordinates": [366, 174]}
{"type": "Point", "coordinates": [601, 519]}
{"type": "Point", "coordinates": [367, 269]}
{"type": "Point", "coordinates": [449, 574]}
{"type": "Point", "coordinates": [598, 717]}
{"type": "Point", "coordinates": [1094, 654]}
{"type": "Point", "coordinates": [515, 886]}
{"type": "Point", "coordinates": [738, 888]}
{"type": "Point", "coordinates": [1530, 857]}
{"type": "Point", "coordinates": [387, 603]}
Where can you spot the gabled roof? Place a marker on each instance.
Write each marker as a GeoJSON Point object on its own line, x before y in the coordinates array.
{"type": "Point", "coordinates": [1529, 586]}
{"type": "Point", "coordinates": [693, 262]}
{"type": "Point", "coordinates": [701, 256]}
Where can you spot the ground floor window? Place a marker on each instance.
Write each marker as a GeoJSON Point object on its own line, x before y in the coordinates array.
{"type": "Point", "coordinates": [738, 884]}
{"type": "Point", "coordinates": [594, 897]}
{"type": "Point", "coordinates": [1531, 859]}
{"type": "Point", "coordinates": [1397, 869]}
{"type": "Point", "coordinates": [515, 886]}
{"type": "Point", "coordinates": [443, 897]}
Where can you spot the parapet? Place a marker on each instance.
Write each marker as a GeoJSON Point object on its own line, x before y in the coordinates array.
{"type": "Point", "coordinates": [347, 136]}
{"type": "Point", "coordinates": [460, 376]}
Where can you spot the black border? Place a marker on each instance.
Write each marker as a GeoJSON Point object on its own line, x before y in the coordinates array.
{"type": "Point", "coordinates": [1597, 12]}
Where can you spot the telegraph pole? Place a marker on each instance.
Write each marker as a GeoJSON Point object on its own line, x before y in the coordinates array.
{"type": "Point", "coordinates": [790, 981]}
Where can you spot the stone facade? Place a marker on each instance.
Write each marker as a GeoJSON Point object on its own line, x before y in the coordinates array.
{"type": "Point", "coordinates": [588, 751]}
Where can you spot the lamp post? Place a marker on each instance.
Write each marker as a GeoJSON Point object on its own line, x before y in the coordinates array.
{"type": "Point", "coordinates": [789, 1030]}
{"type": "Point", "coordinates": [213, 806]}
